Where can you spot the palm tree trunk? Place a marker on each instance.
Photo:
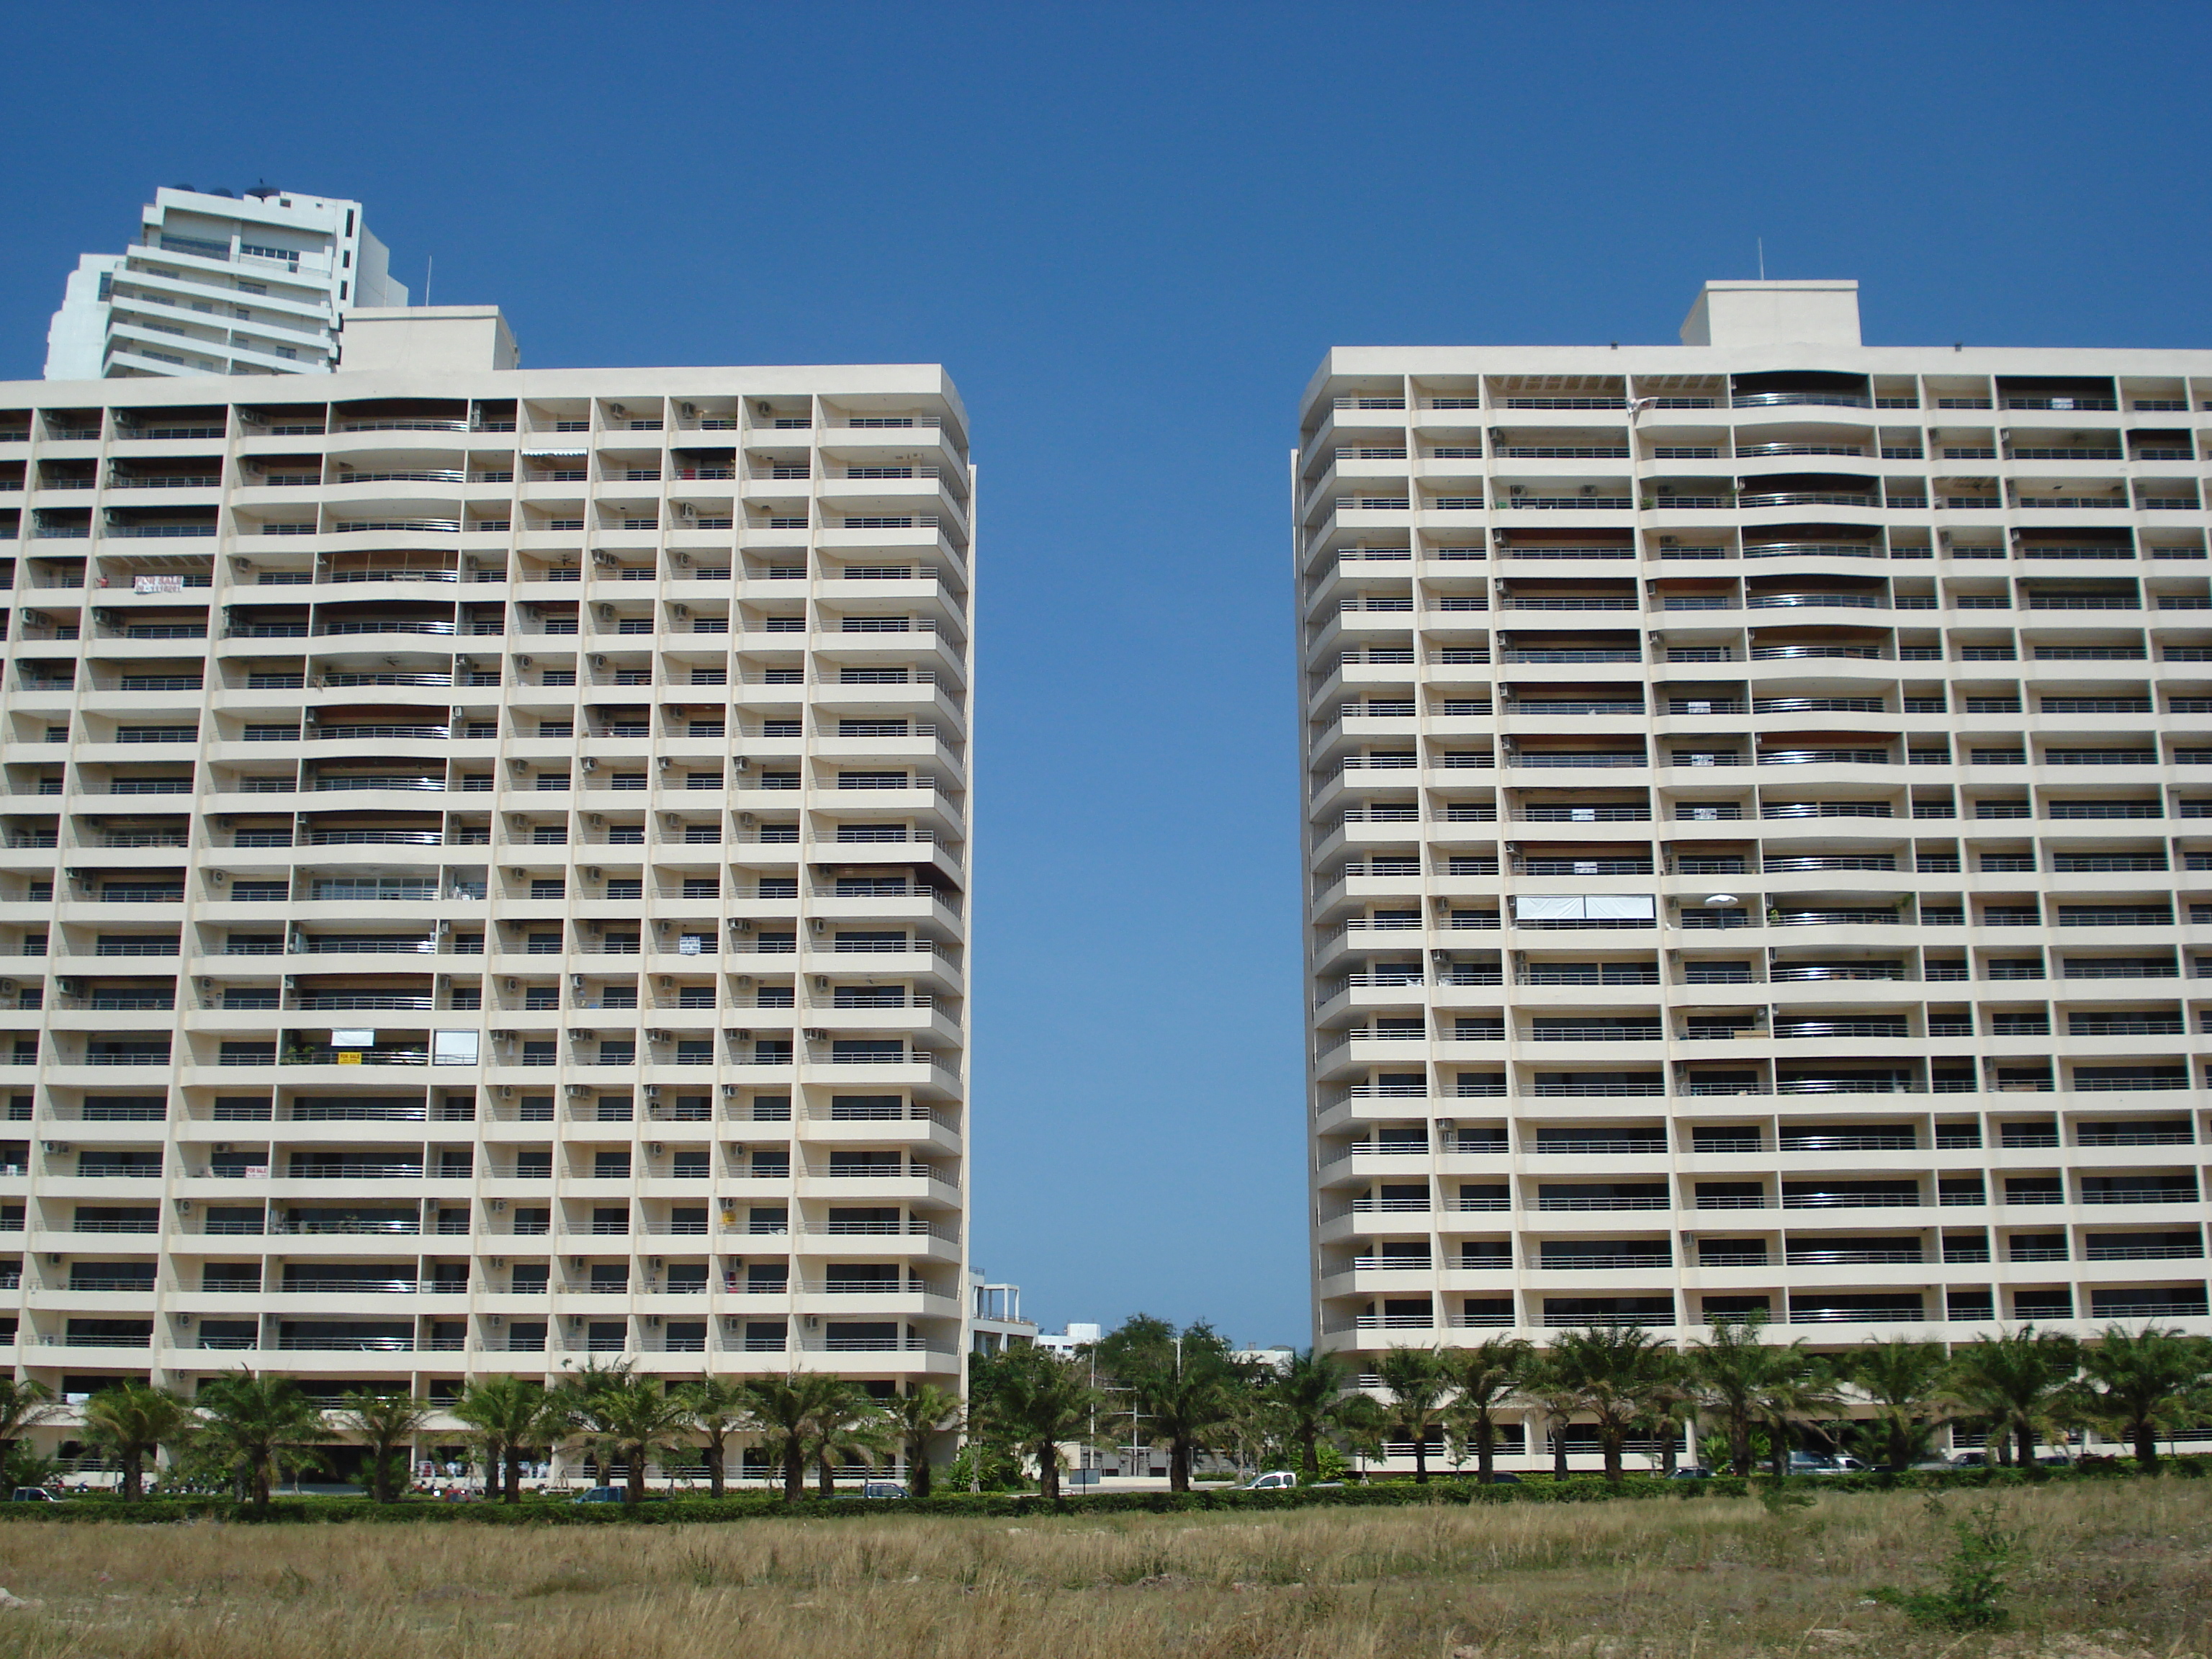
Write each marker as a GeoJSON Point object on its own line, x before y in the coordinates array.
{"type": "Point", "coordinates": [1420, 1454]}
{"type": "Point", "coordinates": [716, 1473]}
{"type": "Point", "coordinates": [512, 1491]}
{"type": "Point", "coordinates": [636, 1492]}
{"type": "Point", "coordinates": [1740, 1462]}
{"type": "Point", "coordinates": [1048, 1457]}
{"type": "Point", "coordinates": [825, 1475]}
{"type": "Point", "coordinates": [2146, 1439]}
{"type": "Point", "coordinates": [1310, 1451]}
{"type": "Point", "coordinates": [2026, 1436]}
{"type": "Point", "coordinates": [1778, 1452]}
{"type": "Point", "coordinates": [794, 1470]}
{"type": "Point", "coordinates": [1558, 1432]}
{"type": "Point", "coordinates": [1178, 1466]}
{"type": "Point", "coordinates": [918, 1471]}
{"type": "Point", "coordinates": [1611, 1445]}
{"type": "Point", "coordinates": [1486, 1450]}
{"type": "Point", "coordinates": [131, 1478]}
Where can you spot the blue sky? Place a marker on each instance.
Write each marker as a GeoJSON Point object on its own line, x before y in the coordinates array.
{"type": "Point", "coordinates": [1129, 233]}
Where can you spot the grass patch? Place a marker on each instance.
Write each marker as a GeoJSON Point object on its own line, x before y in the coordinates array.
{"type": "Point", "coordinates": [2118, 1570]}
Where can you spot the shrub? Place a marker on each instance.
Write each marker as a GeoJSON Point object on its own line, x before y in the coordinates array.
{"type": "Point", "coordinates": [1973, 1578]}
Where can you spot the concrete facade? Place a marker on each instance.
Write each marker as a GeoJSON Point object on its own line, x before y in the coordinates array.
{"type": "Point", "coordinates": [1758, 830]}
{"type": "Point", "coordinates": [486, 875]}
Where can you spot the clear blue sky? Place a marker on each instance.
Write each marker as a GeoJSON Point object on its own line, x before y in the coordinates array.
{"type": "Point", "coordinates": [1130, 231]}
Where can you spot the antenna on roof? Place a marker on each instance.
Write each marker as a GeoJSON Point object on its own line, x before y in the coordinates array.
{"type": "Point", "coordinates": [429, 265]}
{"type": "Point", "coordinates": [1762, 259]}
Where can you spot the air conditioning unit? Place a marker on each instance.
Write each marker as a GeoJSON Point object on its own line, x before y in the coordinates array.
{"type": "Point", "coordinates": [597, 661]}
{"type": "Point", "coordinates": [658, 1148]}
{"type": "Point", "coordinates": [55, 1147]}
{"type": "Point", "coordinates": [184, 1322]}
{"type": "Point", "coordinates": [815, 925]}
{"type": "Point", "coordinates": [652, 1091]}
{"type": "Point", "coordinates": [656, 1037]}
{"type": "Point", "coordinates": [817, 1037]}
{"type": "Point", "coordinates": [510, 985]}
{"type": "Point", "coordinates": [579, 1091]}
{"type": "Point", "coordinates": [739, 763]}
{"type": "Point", "coordinates": [590, 763]}
{"type": "Point", "coordinates": [498, 1207]}
{"type": "Point", "coordinates": [729, 1091]}
{"type": "Point", "coordinates": [606, 612]}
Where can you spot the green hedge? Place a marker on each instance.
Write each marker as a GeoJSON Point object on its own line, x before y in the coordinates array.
{"type": "Point", "coordinates": [755, 1505]}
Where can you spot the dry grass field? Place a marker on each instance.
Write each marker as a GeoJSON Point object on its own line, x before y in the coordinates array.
{"type": "Point", "coordinates": [2118, 1570]}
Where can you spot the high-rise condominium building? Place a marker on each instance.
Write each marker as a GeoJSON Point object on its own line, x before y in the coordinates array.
{"type": "Point", "coordinates": [485, 871]}
{"type": "Point", "coordinates": [222, 284]}
{"type": "Point", "coordinates": [1758, 831]}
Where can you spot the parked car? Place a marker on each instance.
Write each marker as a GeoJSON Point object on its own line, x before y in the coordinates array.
{"type": "Point", "coordinates": [1821, 1463]}
{"type": "Point", "coordinates": [600, 1495]}
{"type": "Point", "coordinates": [1273, 1481]}
{"type": "Point", "coordinates": [34, 1495]}
{"type": "Point", "coordinates": [878, 1489]}
{"type": "Point", "coordinates": [1691, 1471]}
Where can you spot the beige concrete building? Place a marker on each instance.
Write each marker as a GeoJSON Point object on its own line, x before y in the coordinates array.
{"type": "Point", "coordinates": [486, 870]}
{"type": "Point", "coordinates": [1758, 832]}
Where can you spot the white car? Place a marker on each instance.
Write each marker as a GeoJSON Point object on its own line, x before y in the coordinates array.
{"type": "Point", "coordinates": [1274, 1480]}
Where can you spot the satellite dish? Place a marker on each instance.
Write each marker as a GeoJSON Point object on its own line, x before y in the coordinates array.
{"type": "Point", "coordinates": [1720, 899]}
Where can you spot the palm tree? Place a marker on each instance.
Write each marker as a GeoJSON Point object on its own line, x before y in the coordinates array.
{"type": "Point", "coordinates": [23, 1406]}
{"type": "Point", "coordinates": [1310, 1397]}
{"type": "Point", "coordinates": [1186, 1386]}
{"type": "Point", "coordinates": [1418, 1385]}
{"type": "Point", "coordinates": [2017, 1381]}
{"type": "Point", "coordinates": [133, 1420]}
{"type": "Point", "coordinates": [717, 1406]}
{"type": "Point", "coordinates": [1904, 1381]}
{"type": "Point", "coordinates": [919, 1416]}
{"type": "Point", "coordinates": [1737, 1376]}
{"type": "Point", "coordinates": [1556, 1401]}
{"type": "Point", "coordinates": [1037, 1402]}
{"type": "Point", "coordinates": [626, 1421]}
{"type": "Point", "coordinates": [783, 1412]}
{"type": "Point", "coordinates": [2137, 1385]}
{"type": "Point", "coordinates": [1484, 1377]}
{"type": "Point", "coordinates": [508, 1419]}
{"type": "Point", "coordinates": [1621, 1375]}
{"type": "Point", "coordinates": [257, 1422]}
{"type": "Point", "coordinates": [847, 1426]}
{"type": "Point", "coordinates": [386, 1423]}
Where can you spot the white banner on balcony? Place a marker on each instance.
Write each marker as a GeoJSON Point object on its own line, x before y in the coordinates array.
{"type": "Point", "coordinates": [157, 584]}
{"type": "Point", "coordinates": [453, 1047]}
{"type": "Point", "coordinates": [1547, 906]}
{"type": "Point", "coordinates": [1635, 907]}
{"type": "Point", "coordinates": [352, 1039]}
{"type": "Point", "coordinates": [1583, 906]}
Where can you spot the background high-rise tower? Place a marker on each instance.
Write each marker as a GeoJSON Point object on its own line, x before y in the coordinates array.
{"type": "Point", "coordinates": [223, 284]}
{"type": "Point", "coordinates": [1759, 831]}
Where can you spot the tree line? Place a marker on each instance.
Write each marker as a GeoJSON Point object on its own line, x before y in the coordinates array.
{"type": "Point", "coordinates": [246, 1432]}
{"type": "Point", "coordinates": [1186, 1394]}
